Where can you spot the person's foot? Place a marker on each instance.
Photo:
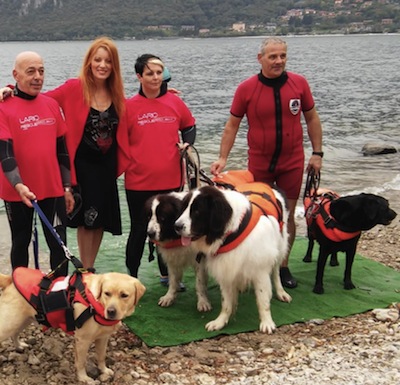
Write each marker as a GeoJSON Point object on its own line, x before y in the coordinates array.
{"type": "Point", "coordinates": [287, 279]}
{"type": "Point", "coordinates": [165, 282]}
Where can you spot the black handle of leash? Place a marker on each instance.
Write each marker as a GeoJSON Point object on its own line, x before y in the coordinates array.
{"type": "Point", "coordinates": [312, 183]}
{"type": "Point", "coordinates": [77, 263]}
{"type": "Point", "coordinates": [206, 178]}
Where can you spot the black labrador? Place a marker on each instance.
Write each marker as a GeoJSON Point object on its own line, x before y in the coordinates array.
{"type": "Point", "coordinates": [337, 224]}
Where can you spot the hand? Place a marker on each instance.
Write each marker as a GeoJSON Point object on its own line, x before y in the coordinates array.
{"type": "Point", "coordinates": [5, 92]}
{"type": "Point", "coordinates": [174, 91]}
{"type": "Point", "coordinates": [315, 163]}
{"type": "Point", "coordinates": [26, 195]}
{"type": "Point", "coordinates": [69, 201]}
{"type": "Point", "coordinates": [218, 166]}
{"type": "Point", "coordinates": [182, 146]}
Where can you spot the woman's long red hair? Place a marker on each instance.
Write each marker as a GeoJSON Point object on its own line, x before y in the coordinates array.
{"type": "Point", "coordinates": [114, 82]}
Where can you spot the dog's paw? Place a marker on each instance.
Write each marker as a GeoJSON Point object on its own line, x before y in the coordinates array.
{"type": "Point", "coordinates": [203, 305]}
{"type": "Point", "coordinates": [86, 379]}
{"type": "Point", "coordinates": [283, 296]}
{"type": "Point", "coordinates": [166, 301]}
{"type": "Point", "coordinates": [217, 324]}
{"type": "Point", "coordinates": [307, 258]}
{"type": "Point", "coordinates": [267, 326]}
{"type": "Point", "coordinates": [107, 372]}
{"type": "Point", "coordinates": [318, 289]}
{"type": "Point", "coordinates": [348, 285]}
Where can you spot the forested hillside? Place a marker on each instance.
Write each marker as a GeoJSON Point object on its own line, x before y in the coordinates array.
{"type": "Point", "coordinates": [85, 19]}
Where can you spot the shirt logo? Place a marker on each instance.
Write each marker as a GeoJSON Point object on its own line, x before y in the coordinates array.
{"type": "Point", "coordinates": [294, 106]}
{"type": "Point", "coordinates": [153, 117]}
{"type": "Point", "coordinates": [33, 121]}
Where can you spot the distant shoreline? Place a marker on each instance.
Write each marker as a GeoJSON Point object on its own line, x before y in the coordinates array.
{"type": "Point", "coordinates": [214, 37]}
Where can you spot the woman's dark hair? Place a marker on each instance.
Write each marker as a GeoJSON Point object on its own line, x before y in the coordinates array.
{"type": "Point", "coordinates": [141, 62]}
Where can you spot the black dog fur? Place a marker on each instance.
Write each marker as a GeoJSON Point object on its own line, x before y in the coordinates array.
{"type": "Point", "coordinates": [356, 212]}
{"type": "Point", "coordinates": [308, 257]}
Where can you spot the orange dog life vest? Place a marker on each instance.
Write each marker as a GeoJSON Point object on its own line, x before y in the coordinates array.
{"type": "Point", "coordinates": [317, 212]}
{"type": "Point", "coordinates": [233, 178]}
{"type": "Point", "coordinates": [263, 202]}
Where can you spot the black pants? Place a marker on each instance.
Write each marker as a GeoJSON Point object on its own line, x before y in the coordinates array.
{"type": "Point", "coordinates": [20, 218]}
{"type": "Point", "coordinates": [138, 233]}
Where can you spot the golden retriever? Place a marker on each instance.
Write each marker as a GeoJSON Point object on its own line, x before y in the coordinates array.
{"type": "Point", "coordinates": [117, 293]}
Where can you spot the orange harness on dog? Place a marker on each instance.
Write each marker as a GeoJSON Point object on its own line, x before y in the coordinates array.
{"type": "Point", "coordinates": [54, 306]}
{"type": "Point", "coordinates": [263, 202]}
{"type": "Point", "coordinates": [317, 213]}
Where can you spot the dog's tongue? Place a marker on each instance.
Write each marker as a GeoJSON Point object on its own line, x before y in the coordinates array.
{"type": "Point", "coordinates": [186, 241]}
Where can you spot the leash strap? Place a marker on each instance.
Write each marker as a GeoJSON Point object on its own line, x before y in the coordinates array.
{"type": "Point", "coordinates": [190, 168]}
{"type": "Point", "coordinates": [35, 242]}
{"type": "Point", "coordinates": [78, 286]}
{"type": "Point", "coordinates": [312, 184]}
{"type": "Point", "coordinates": [152, 249]}
{"type": "Point", "coordinates": [76, 262]}
{"type": "Point", "coordinates": [205, 178]}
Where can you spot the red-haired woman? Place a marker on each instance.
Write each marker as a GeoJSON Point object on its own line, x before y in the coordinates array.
{"type": "Point", "coordinates": [94, 106]}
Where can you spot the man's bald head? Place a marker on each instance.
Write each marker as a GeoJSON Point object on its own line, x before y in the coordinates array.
{"type": "Point", "coordinates": [29, 72]}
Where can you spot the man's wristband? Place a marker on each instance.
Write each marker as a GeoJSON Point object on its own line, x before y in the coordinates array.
{"type": "Point", "coordinates": [319, 153]}
{"type": "Point", "coordinates": [68, 189]}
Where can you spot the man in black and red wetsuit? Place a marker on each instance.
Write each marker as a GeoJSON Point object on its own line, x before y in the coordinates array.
{"type": "Point", "coordinates": [273, 102]}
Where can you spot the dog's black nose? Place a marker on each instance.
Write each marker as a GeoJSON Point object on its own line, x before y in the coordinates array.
{"type": "Point", "coordinates": [151, 234]}
{"type": "Point", "coordinates": [111, 313]}
{"type": "Point", "coordinates": [178, 227]}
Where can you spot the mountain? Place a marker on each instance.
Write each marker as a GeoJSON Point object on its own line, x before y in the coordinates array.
{"type": "Point", "coordinates": [127, 19]}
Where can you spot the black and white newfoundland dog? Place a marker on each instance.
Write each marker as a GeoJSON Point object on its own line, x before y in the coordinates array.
{"type": "Point", "coordinates": [163, 210]}
{"type": "Point", "coordinates": [210, 217]}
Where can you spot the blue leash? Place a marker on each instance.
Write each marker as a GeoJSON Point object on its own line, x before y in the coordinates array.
{"type": "Point", "coordinates": [77, 263]}
{"type": "Point", "coordinates": [35, 243]}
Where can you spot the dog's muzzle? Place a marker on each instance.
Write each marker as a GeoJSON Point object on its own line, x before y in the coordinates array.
{"type": "Point", "coordinates": [111, 313]}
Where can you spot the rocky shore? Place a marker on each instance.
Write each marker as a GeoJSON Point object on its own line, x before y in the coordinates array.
{"type": "Point", "coordinates": [361, 349]}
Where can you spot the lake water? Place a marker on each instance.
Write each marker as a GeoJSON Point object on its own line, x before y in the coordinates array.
{"type": "Point", "coordinates": [355, 82]}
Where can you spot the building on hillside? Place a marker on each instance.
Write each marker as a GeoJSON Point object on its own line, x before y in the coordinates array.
{"type": "Point", "coordinates": [188, 27]}
{"type": "Point", "coordinates": [239, 27]}
{"type": "Point", "coordinates": [204, 31]}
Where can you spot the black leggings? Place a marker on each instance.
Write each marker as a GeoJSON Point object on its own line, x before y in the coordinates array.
{"type": "Point", "coordinates": [138, 233]}
{"type": "Point", "coordinates": [20, 218]}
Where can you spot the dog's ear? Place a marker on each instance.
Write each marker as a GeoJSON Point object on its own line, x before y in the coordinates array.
{"type": "Point", "coordinates": [372, 208]}
{"type": "Point", "coordinates": [341, 210]}
{"type": "Point", "coordinates": [220, 213]}
{"type": "Point", "coordinates": [94, 283]}
{"type": "Point", "coordinates": [147, 207]}
{"type": "Point", "coordinates": [140, 290]}
{"type": "Point", "coordinates": [5, 280]}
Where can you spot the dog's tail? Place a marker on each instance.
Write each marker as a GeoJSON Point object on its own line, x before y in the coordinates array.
{"type": "Point", "coordinates": [5, 280]}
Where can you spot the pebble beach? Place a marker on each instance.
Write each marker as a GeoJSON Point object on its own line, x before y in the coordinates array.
{"type": "Point", "coordinates": [363, 349]}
